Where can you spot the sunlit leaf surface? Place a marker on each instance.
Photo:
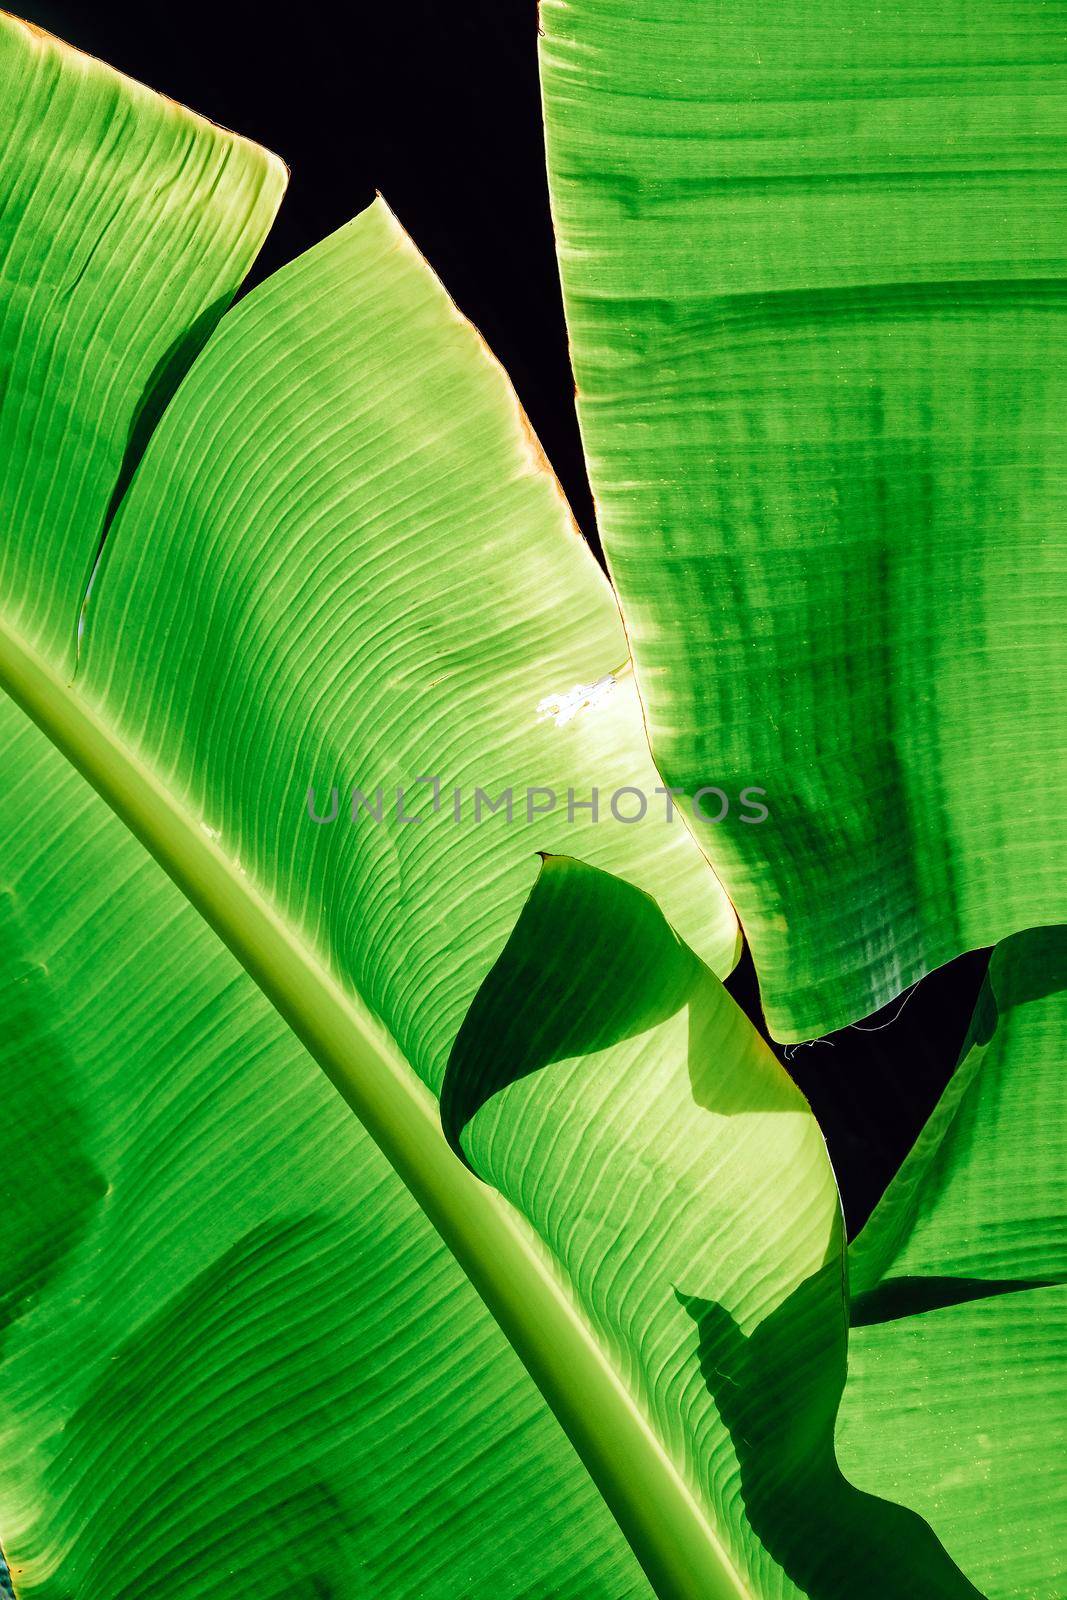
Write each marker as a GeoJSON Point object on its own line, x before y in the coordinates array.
{"type": "Point", "coordinates": [126, 224]}
{"type": "Point", "coordinates": [812, 262]}
{"type": "Point", "coordinates": [956, 1392]}
{"type": "Point", "coordinates": [235, 1357]}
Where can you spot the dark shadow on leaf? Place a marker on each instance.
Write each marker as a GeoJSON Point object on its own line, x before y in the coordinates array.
{"type": "Point", "coordinates": [777, 1391]}
{"type": "Point", "coordinates": [159, 390]}
{"type": "Point", "coordinates": [1029, 966]}
{"type": "Point", "coordinates": [50, 1188]}
{"type": "Point", "coordinates": [906, 1297]}
{"type": "Point", "coordinates": [202, 1411]}
{"type": "Point", "coordinates": [591, 961]}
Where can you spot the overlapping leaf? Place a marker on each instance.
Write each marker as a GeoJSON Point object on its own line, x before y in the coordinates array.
{"type": "Point", "coordinates": [299, 566]}
{"type": "Point", "coordinates": [126, 224]}
{"type": "Point", "coordinates": [956, 1393]}
{"type": "Point", "coordinates": [980, 1195]}
{"type": "Point", "coordinates": [366, 576]}
{"type": "Point", "coordinates": [681, 1181]}
{"type": "Point", "coordinates": [812, 266]}
{"type": "Point", "coordinates": [238, 1310]}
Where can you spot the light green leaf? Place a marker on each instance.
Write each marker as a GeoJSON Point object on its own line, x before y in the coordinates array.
{"type": "Point", "coordinates": [126, 224]}
{"type": "Point", "coordinates": [240, 1359]}
{"type": "Point", "coordinates": [386, 585]}
{"type": "Point", "coordinates": [955, 1397]}
{"type": "Point", "coordinates": [680, 1180]}
{"type": "Point", "coordinates": [342, 561]}
{"type": "Point", "coordinates": [235, 1357]}
{"type": "Point", "coordinates": [812, 264]}
{"type": "Point", "coordinates": [303, 550]}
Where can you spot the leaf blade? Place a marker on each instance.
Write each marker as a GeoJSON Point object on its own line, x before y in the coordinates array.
{"type": "Point", "coordinates": [247, 1371]}
{"type": "Point", "coordinates": [126, 225]}
{"type": "Point", "coordinates": [954, 1409]}
{"type": "Point", "coordinates": [304, 976]}
{"type": "Point", "coordinates": [816, 391]}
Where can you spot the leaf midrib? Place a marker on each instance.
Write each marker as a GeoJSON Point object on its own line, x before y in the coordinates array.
{"type": "Point", "coordinates": [668, 1530]}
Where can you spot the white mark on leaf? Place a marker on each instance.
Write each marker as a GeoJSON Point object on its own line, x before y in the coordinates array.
{"type": "Point", "coordinates": [563, 708]}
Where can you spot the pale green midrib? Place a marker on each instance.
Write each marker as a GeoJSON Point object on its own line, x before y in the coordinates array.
{"type": "Point", "coordinates": [657, 1512]}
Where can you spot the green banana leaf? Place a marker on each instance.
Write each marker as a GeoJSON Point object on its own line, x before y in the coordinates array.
{"type": "Point", "coordinates": [357, 569]}
{"type": "Point", "coordinates": [980, 1195]}
{"type": "Point", "coordinates": [126, 225]}
{"type": "Point", "coordinates": [341, 561]}
{"type": "Point", "coordinates": [956, 1391]}
{"type": "Point", "coordinates": [365, 576]}
{"type": "Point", "coordinates": [679, 1178]}
{"type": "Point", "coordinates": [234, 1356]}
{"type": "Point", "coordinates": [812, 264]}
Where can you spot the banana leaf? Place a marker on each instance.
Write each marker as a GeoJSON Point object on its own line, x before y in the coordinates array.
{"type": "Point", "coordinates": [956, 1390]}
{"type": "Point", "coordinates": [126, 225]}
{"type": "Point", "coordinates": [359, 570]}
{"type": "Point", "coordinates": [235, 1357]}
{"type": "Point", "coordinates": [812, 265]}
{"type": "Point", "coordinates": [340, 561]}
{"type": "Point", "coordinates": [980, 1195]}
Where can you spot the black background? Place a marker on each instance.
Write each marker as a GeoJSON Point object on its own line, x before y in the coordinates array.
{"type": "Point", "coordinates": [437, 106]}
